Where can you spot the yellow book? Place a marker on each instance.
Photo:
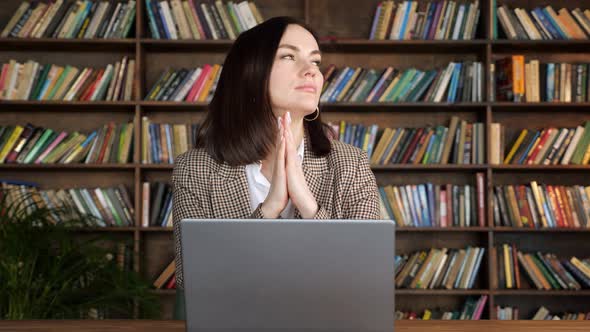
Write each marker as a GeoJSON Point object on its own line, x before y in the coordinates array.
{"type": "Point", "coordinates": [539, 202]}
{"type": "Point", "coordinates": [586, 158]}
{"type": "Point", "coordinates": [10, 142]}
{"type": "Point", "coordinates": [209, 83]}
{"type": "Point", "coordinates": [508, 267]}
{"type": "Point", "coordinates": [519, 140]}
{"type": "Point", "coordinates": [518, 76]}
{"type": "Point", "coordinates": [382, 145]}
{"type": "Point", "coordinates": [255, 12]}
{"type": "Point", "coordinates": [581, 266]}
{"type": "Point", "coordinates": [394, 204]}
{"type": "Point", "coordinates": [56, 74]}
{"type": "Point", "coordinates": [390, 87]}
{"type": "Point", "coordinates": [394, 145]}
{"type": "Point", "coordinates": [348, 84]}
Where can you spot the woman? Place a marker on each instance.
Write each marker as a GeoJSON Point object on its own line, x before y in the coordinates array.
{"type": "Point", "coordinates": [263, 151]}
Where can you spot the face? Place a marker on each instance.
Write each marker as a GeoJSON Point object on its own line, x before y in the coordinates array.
{"type": "Point", "coordinates": [295, 79]}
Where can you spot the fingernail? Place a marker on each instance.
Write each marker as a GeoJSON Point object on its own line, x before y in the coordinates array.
{"type": "Point", "coordinates": [288, 117]}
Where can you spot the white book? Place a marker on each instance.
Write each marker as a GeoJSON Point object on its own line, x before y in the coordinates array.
{"type": "Point", "coordinates": [103, 80]}
{"type": "Point", "coordinates": [458, 22]}
{"type": "Point", "coordinates": [72, 91]}
{"type": "Point", "coordinates": [188, 85]}
{"type": "Point", "coordinates": [112, 20]}
{"type": "Point", "coordinates": [100, 16]}
{"type": "Point", "coordinates": [169, 21]}
{"type": "Point", "coordinates": [246, 14]}
{"type": "Point", "coordinates": [444, 82]}
{"type": "Point", "coordinates": [573, 144]}
{"type": "Point", "coordinates": [36, 68]}
{"type": "Point", "coordinates": [209, 20]}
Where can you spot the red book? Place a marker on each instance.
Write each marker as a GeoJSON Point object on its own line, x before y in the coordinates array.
{"type": "Point", "coordinates": [556, 209]}
{"type": "Point", "coordinates": [539, 146]}
{"type": "Point", "coordinates": [86, 95]}
{"type": "Point", "coordinates": [515, 267]}
{"type": "Point", "coordinates": [412, 145]}
{"type": "Point", "coordinates": [480, 199]}
{"type": "Point", "coordinates": [171, 284]}
{"type": "Point", "coordinates": [105, 143]}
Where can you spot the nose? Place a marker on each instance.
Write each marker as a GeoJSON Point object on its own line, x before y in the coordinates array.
{"type": "Point", "coordinates": [311, 70]}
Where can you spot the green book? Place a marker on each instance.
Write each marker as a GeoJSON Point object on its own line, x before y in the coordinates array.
{"type": "Point", "coordinates": [43, 141]}
{"type": "Point", "coordinates": [40, 82]}
{"type": "Point", "coordinates": [59, 82]}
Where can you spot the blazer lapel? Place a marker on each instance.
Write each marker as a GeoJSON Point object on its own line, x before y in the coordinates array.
{"type": "Point", "coordinates": [230, 197]}
{"type": "Point", "coordinates": [318, 177]}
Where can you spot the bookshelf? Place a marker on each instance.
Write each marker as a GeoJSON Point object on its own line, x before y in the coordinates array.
{"type": "Point", "coordinates": [345, 24]}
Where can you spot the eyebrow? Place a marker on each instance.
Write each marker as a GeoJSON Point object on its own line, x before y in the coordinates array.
{"type": "Point", "coordinates": [295, 48]}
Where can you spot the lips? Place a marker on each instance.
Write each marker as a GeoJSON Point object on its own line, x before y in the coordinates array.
{"type": "Point", "coordinates": [307, 88]}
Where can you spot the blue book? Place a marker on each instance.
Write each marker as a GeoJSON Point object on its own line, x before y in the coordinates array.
{"type": "Point", "coordinates": [530, 146]}
{"type": "Point", "coordinates": [451, 95]}
{"type": "Point", "coordinates": [551, 220]}
{"type": "Point", "coordinates": [360, 137]}
{"type": "Point", "coordinates": [152, 20]}
{"type": "Point", "coordinates": [414, 190]}
{"type": "Point", "coordinates": [546, 23]}
{"type": "Point", "coordinates": [423, 198]}
{"type": "Point", "coordinates": [550, 81]}
{"type": "Point", "coordinates": [375, 21]}
{"type": "Point", "coordinates": [341, 85]}
{"type": "Point", "coordinates": [164, 25]}
{"type": "Point", "coordinates": [429, 19]}
{"type": "Point", "coordinates": [475, 268]}
{"type": "Point", "coordinates": [155, 143]}
{"type": "Point", "coordinates": [555, 25]}
{"type": "Point", "coordinates": [404, 24]}
{"type": "Point", "coordinates": [168, 210]}
{"type": "Point", "coordinates": [387, 205]}
{"type": "Point", "coordinates": [168, 132]}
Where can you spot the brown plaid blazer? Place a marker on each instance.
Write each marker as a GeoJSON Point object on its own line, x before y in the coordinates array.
{"type": "Point", "coordinates": [342, 183]}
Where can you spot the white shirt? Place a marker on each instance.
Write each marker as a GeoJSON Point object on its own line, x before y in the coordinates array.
{"type": "Point", "coordinates": [258, 185]}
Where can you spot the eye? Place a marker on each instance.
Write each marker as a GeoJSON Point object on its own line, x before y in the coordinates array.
{"type": "Point", "coordinates": [288, 56]}
{"type": "Point", "coordinates": [317, 62]}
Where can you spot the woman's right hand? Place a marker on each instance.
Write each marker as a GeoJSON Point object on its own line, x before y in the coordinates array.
{"type": "Point", "coordinates": [277, 197]}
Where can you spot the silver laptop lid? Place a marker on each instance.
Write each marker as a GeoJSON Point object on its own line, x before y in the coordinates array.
{"type": "Point", "coordinates": [288, 275]}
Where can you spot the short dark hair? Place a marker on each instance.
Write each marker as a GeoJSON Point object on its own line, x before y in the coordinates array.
{"type": "Point", "coordinates": [240, 127]}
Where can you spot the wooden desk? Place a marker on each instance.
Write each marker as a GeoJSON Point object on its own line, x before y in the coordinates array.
{"type": "Point", "coordinates": [401, 326]}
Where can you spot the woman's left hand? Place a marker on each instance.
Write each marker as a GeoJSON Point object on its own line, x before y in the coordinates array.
{"type": "Point", "coordinates": [297, 187]}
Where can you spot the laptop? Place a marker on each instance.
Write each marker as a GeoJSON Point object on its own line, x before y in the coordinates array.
{"type": "Point", "coordinates": [288, 275]}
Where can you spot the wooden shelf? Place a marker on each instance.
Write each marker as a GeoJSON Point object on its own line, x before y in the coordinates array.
{"type": "Point", "coordinates": [156, 229]}
{"type": "Point", "coordinates": [534, 292]}
{"type": "Point", "coordinates": [540, 167]}
{"type": "Point", "coordinates": [69, 166]}
{"type": "Point", "coordinates": [407, 229]}
{"type": "Point", "coordinates": [61, 44]}
{"type": "Point", "coordinates": [544, 46]}
{"type": "Point", "coordinates": [121, 229]}
{"type": "Point", "coordinates": [403, 291]}
{"type": "Point", "coordinates": [540, 230]}
{"type": "Point", "coordinates": [59, 105]}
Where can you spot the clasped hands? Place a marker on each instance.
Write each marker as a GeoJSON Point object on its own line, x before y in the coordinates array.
{"type": "Point", "coordinates": [287, 180]}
